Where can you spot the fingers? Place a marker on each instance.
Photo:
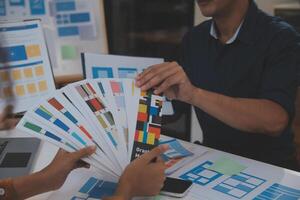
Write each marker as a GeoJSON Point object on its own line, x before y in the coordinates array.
{"type": "Point", "coordinates": [154, 153]}
{"type": "Point", "coordinates": [81, 164]}
{"type": "Point", "coordinates": [154, 75]}
{"type": "Point", "coordinates": [85, 152]}
{"type": "Point", "coordinates": [170, 81]}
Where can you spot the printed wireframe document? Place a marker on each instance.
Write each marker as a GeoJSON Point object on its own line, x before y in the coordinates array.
{"type": "Point", "coordinates": [25, 71]}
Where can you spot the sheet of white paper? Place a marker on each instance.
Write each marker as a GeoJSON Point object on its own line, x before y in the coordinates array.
{"type": "Point", "coordinates": [25, 71]}
{"type": "Point", "coordinates": [257, 177]}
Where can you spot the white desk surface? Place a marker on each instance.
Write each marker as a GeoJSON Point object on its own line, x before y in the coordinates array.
{"type": "Point", "coordinates": [271, 174]}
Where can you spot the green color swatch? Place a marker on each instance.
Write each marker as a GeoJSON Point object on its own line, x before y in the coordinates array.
{"type": "Point", "coordinates": [33, 127]}
{"type": "Point", "coordinates": [227, 166]}
{"type": "Point", "coordinates": [68, 52]}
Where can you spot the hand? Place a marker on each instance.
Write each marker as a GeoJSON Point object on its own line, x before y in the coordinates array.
{"type": "Point", "coordinates": [168, 78]}
{"type": "Point", "coordinates": [7, 121]}
{"type": "Point", "coordinates": [143, 177]}
{"type": "Point", "coordinates": [63, 163]}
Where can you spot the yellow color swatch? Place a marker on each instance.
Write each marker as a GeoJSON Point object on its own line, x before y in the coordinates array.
{"type": "Point", "coordinates": [33, 51]}
{"type": "Point", "coordinates": [16, 74]}
{"type": "Point", "coordinates": [43, 86]}
{"type": "Point", "coordinates": [28, 73]}
{"type": "Point", "coordinates": [4, 76]}
{"type": "Point", "coordinates": [20, 90]}
{"type": "Point", "coordinates": [143, 108]}
{"type": "Point", "coordinates": [39, 71]}
{"type": "Point", "coordinates": [7, 92]}
{"type": "Point", "coordinates": [141, 136]}
{"type": "Point", "coordinates": [102, 122]}
{"type": "Point", "coordinates": [151, 138]}
{"type": "Point", "coordinates": [143, 93]}
{"type": "Point", "coordinates": [31, 88]}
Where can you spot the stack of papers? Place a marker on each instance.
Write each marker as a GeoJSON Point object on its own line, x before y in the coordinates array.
{"type": "Point", "coordinates": [120, 119]}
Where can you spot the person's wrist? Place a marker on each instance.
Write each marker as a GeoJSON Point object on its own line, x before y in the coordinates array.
{"type": "Point", "coordinates": [124, 190]}
{"type": "Point", "coordinates": [45, 174]}
{"type": "Point", "coordinates": [193, 95]}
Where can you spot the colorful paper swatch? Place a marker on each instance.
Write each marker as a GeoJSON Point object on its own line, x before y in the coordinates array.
{"type": "Point", "coordinates": [148, 126]}
{"type": "Point", "coordinates": [94, 112]}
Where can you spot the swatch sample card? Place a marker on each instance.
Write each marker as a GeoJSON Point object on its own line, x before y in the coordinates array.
{"type": "Point", "coordinates": [148, 124]}
{"type": "Point", "coordinates": [25, 71]}
{"type": "Point", "coordinates": [95, 112]}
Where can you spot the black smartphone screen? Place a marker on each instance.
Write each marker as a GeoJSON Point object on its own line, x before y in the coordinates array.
{"type": "Point", "coordinates": [174, 185]}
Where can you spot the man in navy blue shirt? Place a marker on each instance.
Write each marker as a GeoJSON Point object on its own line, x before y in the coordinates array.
{"type": "Point", "coordinates": [239, 72]}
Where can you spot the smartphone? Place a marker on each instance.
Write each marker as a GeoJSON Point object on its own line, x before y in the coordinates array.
{"type": "Point", "coordinates": [176, 187]}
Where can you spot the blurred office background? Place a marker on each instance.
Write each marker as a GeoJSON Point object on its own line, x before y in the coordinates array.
{"type": "Point", "coordinates": [155, 28]}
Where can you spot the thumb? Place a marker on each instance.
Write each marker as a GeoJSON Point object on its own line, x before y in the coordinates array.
{"type": "Point", "coordinates": [157, 151]}
{"type": "Point", "coordinates": [85, 152]}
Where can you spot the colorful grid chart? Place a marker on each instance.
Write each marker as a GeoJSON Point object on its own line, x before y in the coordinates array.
{"type": "Point", "coordinates": [239, 185]}
{"type": "Point", "coordinates": [95, 189]}
{"type": "Point", "coordinates": [176, 150]}
{"type": "Point", "coordinates": [127, 72]}
{"type": "Point", "coordinates": [148, 125]}
{"type": "Point", "coordinates": [279, 192]}
{"type": "Point", "coordinates": [101, 112]}
{"type": "Point", "coordinates": [72, 20]}
{"type": "Point", "coordinates": [201, 175]}
{"type": "Point", "coordinates": [102, 72]}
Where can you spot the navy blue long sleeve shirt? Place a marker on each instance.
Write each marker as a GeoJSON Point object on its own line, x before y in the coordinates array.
{"type": "Point", "coordinates": [261, 63]}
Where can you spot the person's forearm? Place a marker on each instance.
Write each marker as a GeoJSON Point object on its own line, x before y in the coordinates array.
{"type": "Point", "coordinates": [250, 115]}
{"type": "Point", "coordinates": [31, 185]}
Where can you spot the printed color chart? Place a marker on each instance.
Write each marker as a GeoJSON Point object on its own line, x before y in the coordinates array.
{"type": "Point", "coordinates": [148, 125]}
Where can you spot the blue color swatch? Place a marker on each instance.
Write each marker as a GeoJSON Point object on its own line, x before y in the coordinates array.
{"type": "Point", "coordinates": [127, 72]}
{"type": "Point", "coordinates": [15, 53]}
{"type": "Point", "coordinates": [68, 31]}
{"type": "Point", "coordinates": [95, 189]}
{"type": "Point", "coordinates": [102, 72]}
{"type": "Point", "coordinates": [18, 28]}
{"type": "Point", "coordinates": [239, 185]}
{"type": "Point", "coordinates": [17, 3]}
{"type": "Point", "coordinates": [201, 175]}
{"type": "Point", "coordinates": [37, 7]}
{"type": "Point", "coordinates": [65, 6]}
{"type": "Point", "coordinates": [279, 192]}
{"type": "Point", "coordinates": [2, 8]}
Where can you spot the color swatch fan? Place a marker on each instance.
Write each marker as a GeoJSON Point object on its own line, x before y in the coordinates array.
{"type": "Point", "coordinates": [112, 114]}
